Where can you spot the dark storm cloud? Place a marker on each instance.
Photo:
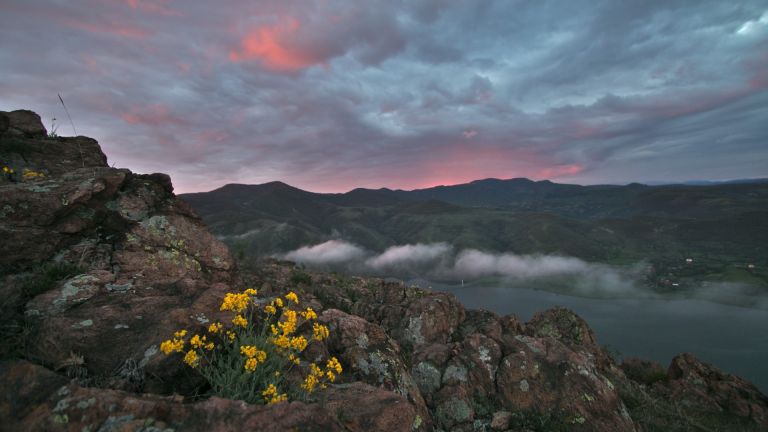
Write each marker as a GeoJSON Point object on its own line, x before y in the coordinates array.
{"type": "Point", "coordinates": [337, 94]}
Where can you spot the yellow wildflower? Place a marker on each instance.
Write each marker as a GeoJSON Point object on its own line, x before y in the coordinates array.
{"type": "Point", "coordinates": [192, 359]}
{"type": "Point", "coordinates": [299, 343]}
{"type": "Point", "coordinates": [271, 396]}
{"type": "Point", "coordinates": [309, 383]}
{"type": "Point", "coordinates": [250, 364]}
{"type": "Point", "coordinates": [278, 302]}
{"type": "Point", "coordinates": [282, 341]}
{"type": "Point", "coordinates": [250, 292]}
{"type": "Point", "coordinates": [292, 297]}
{"type": "Point", "coordinates": [197, 341]}
{"type": "Point", "coordinates": [309, 314]}
{"type": "Point", "coordinates": [315, 370]}
{"type": "Point", "coordinates": [28, 173]}
{"type": "Point", "coordinates": [320, 332]}
{"type": "Point", "coordinates": [240, 321]}
{"type": "Point", "coordinates": [270, 309]}
{"type": "Point", "coordinates": [273, 329]}
{"type": "Point", "coordinates": [331, 376]}
{"type": "Point", "coordinates": [180, 333]}
{"type": "Point", "coordinates": [169, 346]}
{"type": "Point", "coordinates": [210, 346]}
{"type": "Point", "coordinates": [269, 391]}
{"type": "Point", "coordinates": [235, 302]}
{"type": "Point", "coordinates": [289, 325]}
{"type": "Point", "coordinates": [248, 351]}
{"type": "Point", "coordinates": [231, 335]}
{"type": "Point", "coordinates": [295, 360]}
{"type": "Point", "coordinates": [215, 327]}
{"type": "Point", "coordinates": [333, 364]}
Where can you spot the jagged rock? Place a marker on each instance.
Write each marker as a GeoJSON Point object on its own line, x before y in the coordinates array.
{"type": "Point", "coordinates": [22, 122]}
{"type": "Point", "coordinates": [699, 384]}
{"type": "Point", "coordinates": [482, 321]}
{"type": "Point", "coordinates": [35, 399]}
{"type": "Point", "coordinates": [373, 357]}
{"type": "Point", "coordinates": [361, 407]}
{"type": "Point", "coordinates": [563, 325]}
{"type": "Point", "coordinates": [143, 264]}
{"type": "Point", "coordinates": [431, 319]}
{"type": "Point", "coordinates": [546, 376]}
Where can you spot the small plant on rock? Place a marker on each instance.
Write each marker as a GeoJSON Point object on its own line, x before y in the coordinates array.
{"type": "Point", "coordinates": [250, 357]}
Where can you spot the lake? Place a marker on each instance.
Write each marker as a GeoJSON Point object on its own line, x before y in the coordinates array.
{"type": "Point", "coordinates": [732, 338]}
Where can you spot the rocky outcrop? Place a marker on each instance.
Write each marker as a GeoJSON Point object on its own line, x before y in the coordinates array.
{"type": "Point", "coordinates": [476, 370]}
{"type": "Point", "coordinates": [35, 398]}
{"type": "Point", "coordinates": [695, 383]}
{"type": "Point", "coordinates": [469, 366]}
{"type": "Point", "coordinates": [101, 264]}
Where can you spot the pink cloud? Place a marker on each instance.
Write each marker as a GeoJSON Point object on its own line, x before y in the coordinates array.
{"type": "Point", "coordinates": [151, 115]}
{"type": "Point", "coordinates": [559, 171]}
{"type": "Point", "coordinates": [273, 46]}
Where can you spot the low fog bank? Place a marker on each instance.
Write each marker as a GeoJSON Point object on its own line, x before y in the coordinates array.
{"type": "Point", "coordinates": [441, 261]}
{"type": "Point", "coordinates": [562, 274]}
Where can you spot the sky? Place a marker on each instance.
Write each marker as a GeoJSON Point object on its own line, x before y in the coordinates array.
{"type": "Point", "coordinates": [330, 95]}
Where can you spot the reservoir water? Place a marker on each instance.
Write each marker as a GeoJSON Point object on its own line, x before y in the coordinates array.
{"type": "Point", "coordinates": [732, 338]}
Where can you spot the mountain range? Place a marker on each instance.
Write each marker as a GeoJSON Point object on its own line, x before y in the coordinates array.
{"type": "Point", "coordinates": [716, 224]}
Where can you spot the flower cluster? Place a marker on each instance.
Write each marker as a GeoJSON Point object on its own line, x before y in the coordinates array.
{"type": "Point", "coordinates": [319, 377]}
{"type": "Point", "coordinates": [253, 357]}
{"type": "Point", "coordinates": [30, 174]}
{"type": "Point", "coordinates": [271, 395]}
{"type": "Point", "coordinates": [249, 360]}
{"type": "Point", "coordinates": [174, 345]}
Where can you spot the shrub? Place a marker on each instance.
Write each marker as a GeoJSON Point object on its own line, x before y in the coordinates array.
{"type": "Point", "coordinates": [250, 357]}
{"type": "Point", "coordinates": [301, 277]}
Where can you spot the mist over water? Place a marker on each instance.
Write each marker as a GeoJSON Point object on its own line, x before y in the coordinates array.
{"type": "Point", "coordinates": [555, 273]}
{"type": "Point", "coordinates": [624, 313]}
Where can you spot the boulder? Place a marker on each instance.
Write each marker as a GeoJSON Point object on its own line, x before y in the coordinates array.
{"type": "Point", "coordinates": [24, 123]}
{"type": "Point", "coordinates": [699, 384]}
{"type": "Point", "coordinates": [545, 377]}
{"type": "Point", "coordinates": [373, 357]}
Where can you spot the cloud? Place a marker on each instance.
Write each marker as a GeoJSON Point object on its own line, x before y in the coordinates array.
{"type": "Point", "coordinates": [556, 273]}
{"type": "Point", "coordinates": [408, 255]}
{"type": "Point", "coordinates": [269, 44]}
{"type": "Point", "coordinates": [440, 261]}
{"type": "Point", "coordinates": [475, 263]}
{"type": "Point", "coordinates": [403, 94]}
{"type": "Point", "coordinates": [330, 252]}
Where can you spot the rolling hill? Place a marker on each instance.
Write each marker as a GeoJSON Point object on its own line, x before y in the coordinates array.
{"type": "Point", "coordinates": [613, 224]}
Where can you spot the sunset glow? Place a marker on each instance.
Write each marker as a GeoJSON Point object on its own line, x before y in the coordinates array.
{"type": "Point", "coordinates": [333, 95]}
